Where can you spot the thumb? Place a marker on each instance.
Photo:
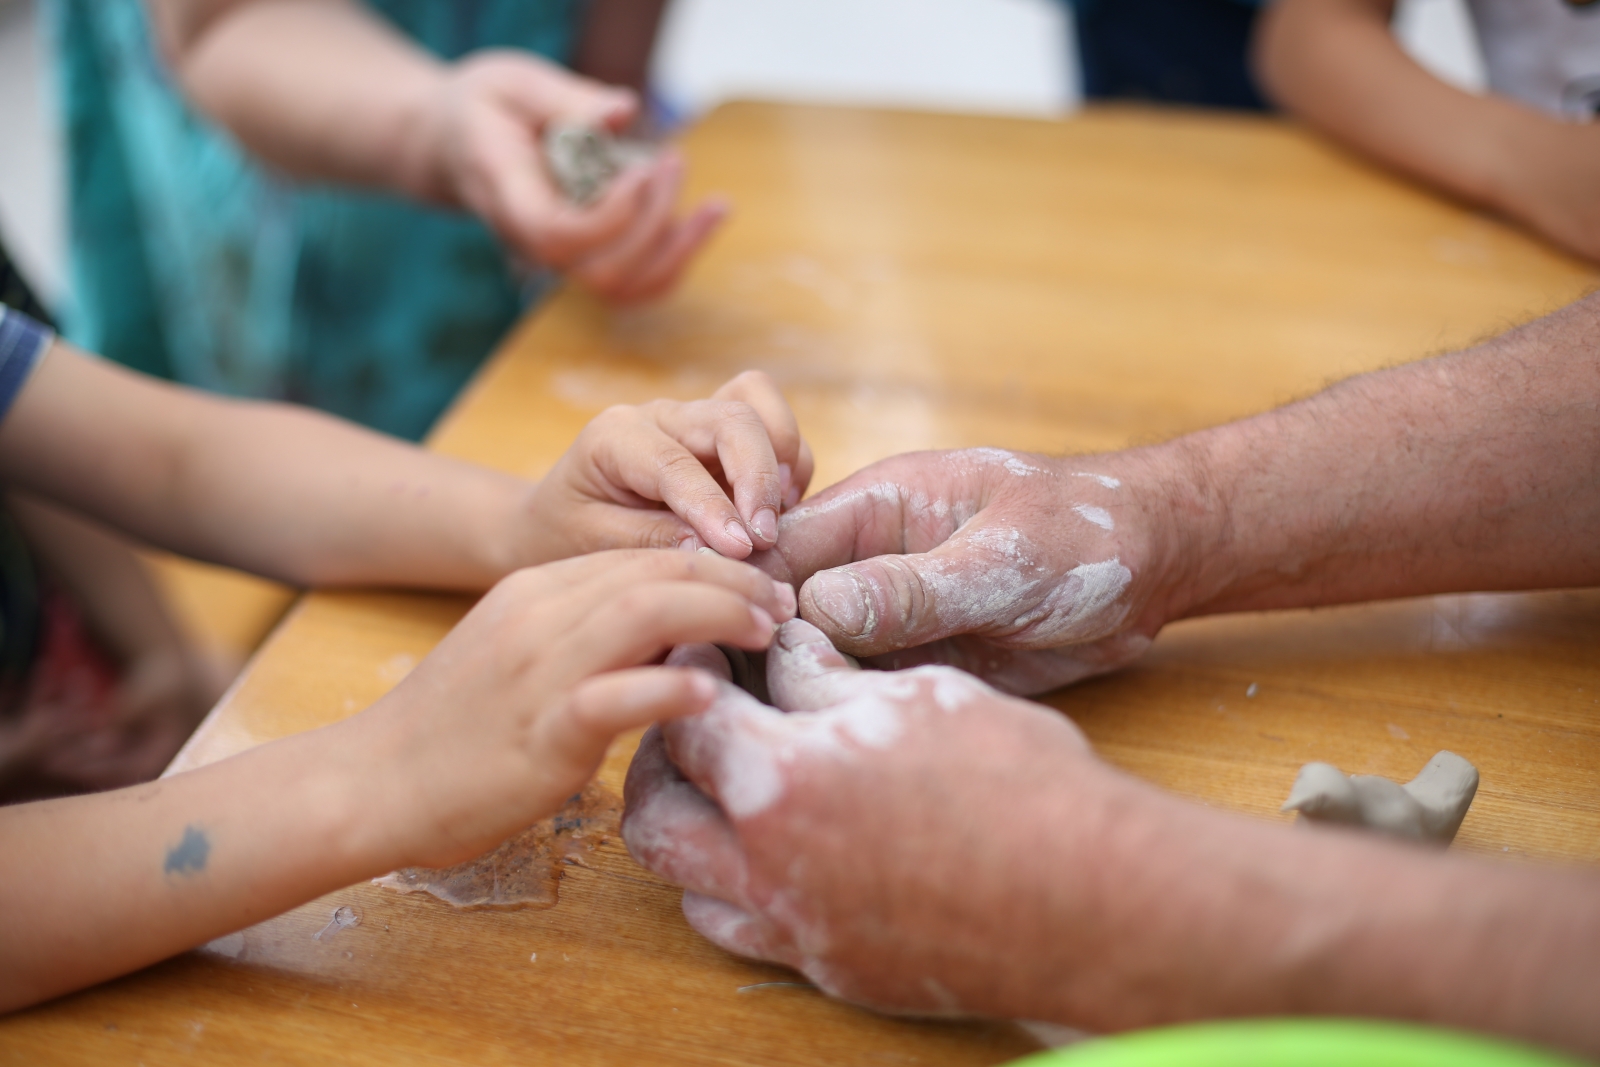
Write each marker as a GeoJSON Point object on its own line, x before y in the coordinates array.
{"type": "Point", "coordinates": [804, 671]}
{"type": "Point", "coordinates": [976, 581]}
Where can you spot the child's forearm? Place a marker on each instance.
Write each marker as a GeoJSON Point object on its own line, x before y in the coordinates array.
{"type": "Point", "coordinates": [280, 491]}
{"type": "Point", "coordinates": [1336, 64]}
{"type": "Point", "coordinates": [116, 881]}
{"type": "Point", "coordinates": [318, 88]}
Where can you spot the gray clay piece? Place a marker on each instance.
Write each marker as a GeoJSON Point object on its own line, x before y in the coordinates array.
{"type": "Point", "coordinates": [1430, 807]}
{"type": "Point", "coordinates": [583, 159]}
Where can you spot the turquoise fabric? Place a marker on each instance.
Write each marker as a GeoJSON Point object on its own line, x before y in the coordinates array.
{"type": "Point", "coordinates": [192, 262]}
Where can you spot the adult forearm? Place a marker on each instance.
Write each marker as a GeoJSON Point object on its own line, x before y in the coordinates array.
{"type": "Point", "coordinates": [100, 885]}
{"type": "Point", "coordinates": [1473, 471]}
{"type": "Point", "coordinates": [1208, 915]}
{"type": "Point", "coordinates": [320, 89]}
{"type": "Point", "coordinates": [1337, 65]}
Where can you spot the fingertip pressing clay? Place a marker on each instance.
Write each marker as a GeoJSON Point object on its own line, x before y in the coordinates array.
{"type": "Point", "coordinates": [1430, 807]}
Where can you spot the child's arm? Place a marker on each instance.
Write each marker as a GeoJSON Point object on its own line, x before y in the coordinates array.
{"type": "Point", "coordinates": [508, 717]}
{"type": "Point", "coordinates": [303, 497]}
{"type": "Point", "coordinates": [1336, 64]}
{"type": "Point", "coordinates": [329, 90]}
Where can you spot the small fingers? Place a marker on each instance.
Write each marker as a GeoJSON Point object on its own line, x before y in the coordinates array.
{"type": "Point", "coordinates": [660, 271]}
{"type": "Point", "coordinates": [600, 575]}
{"type": "Point", "coordinates": [744, 450]}
{"type": "Point", "coordinates": [599, 708]}
{"type": "Point", "coordinates": [637, 625]}
{"type": "Point", "coordinates": [608, 268]}
{"type": "Point", "coordinates": [762, 394]}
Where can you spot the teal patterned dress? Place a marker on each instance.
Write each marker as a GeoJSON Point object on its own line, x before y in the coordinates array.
{"type": "Point", "coordinates": [191, 261]}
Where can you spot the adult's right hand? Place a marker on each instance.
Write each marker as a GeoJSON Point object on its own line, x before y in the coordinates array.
{"type": "Point", "coordinates": [1028, 571]}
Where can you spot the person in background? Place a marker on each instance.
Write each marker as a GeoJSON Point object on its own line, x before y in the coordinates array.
{"type": "Point", "coordinates": [341, 203]}
{"type": "Point", "coordinates": [1191, 52]}
{"type": "Point", "coordinates": [1529, 149]}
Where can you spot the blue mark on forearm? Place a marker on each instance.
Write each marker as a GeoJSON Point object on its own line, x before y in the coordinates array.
{"type": "Point", "coordinates": [189, 855]}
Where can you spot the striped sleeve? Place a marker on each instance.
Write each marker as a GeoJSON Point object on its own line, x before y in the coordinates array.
{"type": "Point", "coordinates": [22, 341]}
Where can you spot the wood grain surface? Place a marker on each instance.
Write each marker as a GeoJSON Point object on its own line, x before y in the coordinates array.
{"type": "Point", "coordinates": [921, 281]}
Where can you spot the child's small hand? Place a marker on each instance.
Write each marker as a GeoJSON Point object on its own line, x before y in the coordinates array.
{"type": "Point", "coordinates": [514, 710]}
{"type": "Point", "coordinates": [614, 487]}
{"type": "Point", "coordinates": [479, 148]}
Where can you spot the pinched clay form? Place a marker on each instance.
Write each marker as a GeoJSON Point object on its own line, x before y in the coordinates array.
{"type": "Point", "coordinates": [1430, 807]}
{"type": "Point", "coordinates": [583, 159]}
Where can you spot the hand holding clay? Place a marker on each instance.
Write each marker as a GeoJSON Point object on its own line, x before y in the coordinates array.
{"type": "Point", "coordinates": [478, 145]}
{"type": "Point", "coordinates": [614, 486]}
{"type": "Point", "coordinates": [1028, 571]}
{"type": "Point", "coordinates": [512, 712]}
{"type": "Point", "coordinates": [878, 837]}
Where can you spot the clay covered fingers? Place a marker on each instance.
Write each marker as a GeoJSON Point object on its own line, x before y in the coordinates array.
{"type": "Point", "coordinates": [1028, 571]}
{"type": "Point", "coordinates": [839, 833]}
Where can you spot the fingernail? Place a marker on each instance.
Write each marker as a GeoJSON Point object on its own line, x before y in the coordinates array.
{"type": "Point", "coordinates": [735, 530]}
{"type": "Point", "coordinates": [691, 544]}
{"type": "Point", "coordinates": [785, 477]}
{"type": "Point", "coordinates": [704, 551]}
{"type": "Point", "coordinates": [763, 621]}
{"type": "Point", "coordinates": [786, 599]}
{"type": "Point", "coordinates": [765, 525]}
{"type": "Point", "coordinates": [843, 600]}
{"type": "Point", "coordinates": [791, 497]}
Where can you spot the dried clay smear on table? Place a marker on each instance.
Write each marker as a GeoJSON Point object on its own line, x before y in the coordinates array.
{"type": "Point", "coordinates": [525, 870]}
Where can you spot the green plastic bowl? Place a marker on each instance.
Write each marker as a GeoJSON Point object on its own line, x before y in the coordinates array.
{"type": "Point", "coordinates": [1295, 1043]}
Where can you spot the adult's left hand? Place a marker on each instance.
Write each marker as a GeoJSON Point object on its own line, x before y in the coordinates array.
{"type": "Point", "coordinates": [889, 837]}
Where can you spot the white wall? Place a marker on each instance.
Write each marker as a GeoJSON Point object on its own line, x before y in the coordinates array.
{"type": "Point", "coordinates": [1009, 56]}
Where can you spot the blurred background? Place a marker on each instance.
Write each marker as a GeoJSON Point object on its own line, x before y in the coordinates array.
{"type": "Point", "coordinates": [1012, 57]}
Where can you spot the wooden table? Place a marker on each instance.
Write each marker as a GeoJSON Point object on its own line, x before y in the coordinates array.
{"type": "Point", "coordinates": [921, 281]}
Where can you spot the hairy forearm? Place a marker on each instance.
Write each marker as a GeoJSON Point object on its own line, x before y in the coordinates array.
{"type": "Point", "coordinates": [277, 490]}
{"type": "Point", "coordinates": [1208, 915]}
{"type": "Point", "coordinates": [320, 89]}
{"type": "Point", "coordinates": [1336, 64]}
{"type": "Point", "coordinates": [1473, 471]}
{"type": "Point", "coordinates": [100, 885]}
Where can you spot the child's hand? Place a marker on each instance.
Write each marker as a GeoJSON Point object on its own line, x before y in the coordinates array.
{"type": "Point", "coordinates": [614, 486]}
{"type": "Point", "coordinates": [513, 711]}
{"type": "Point", "coordinates": [479, 147]}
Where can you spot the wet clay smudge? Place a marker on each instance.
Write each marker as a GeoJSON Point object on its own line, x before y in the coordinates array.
{"type": "Point", "coordinates": [525, 870]}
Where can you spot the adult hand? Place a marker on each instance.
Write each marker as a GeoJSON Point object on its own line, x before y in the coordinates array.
{"type": "Point", "coordinates": [512, 712]}
{"type": "Point", "coordinates": [1549, 172]}
{"type": "Point", "coordinates": [661, 475]}
{"type": "Point", "coordinates": [1028, 571]}
{"type": "Point", "coordinates": [889, 837]}
{"type": "Point", "coordinates": [480, 148]}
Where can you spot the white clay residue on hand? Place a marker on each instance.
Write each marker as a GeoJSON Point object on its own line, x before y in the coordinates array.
{"type": "Point", "coordinates": [1104, 479]}
{"type": "Point", "coordinates": [1009, 460]}
{"type": "Point", "coordinates": [1099, 516]}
